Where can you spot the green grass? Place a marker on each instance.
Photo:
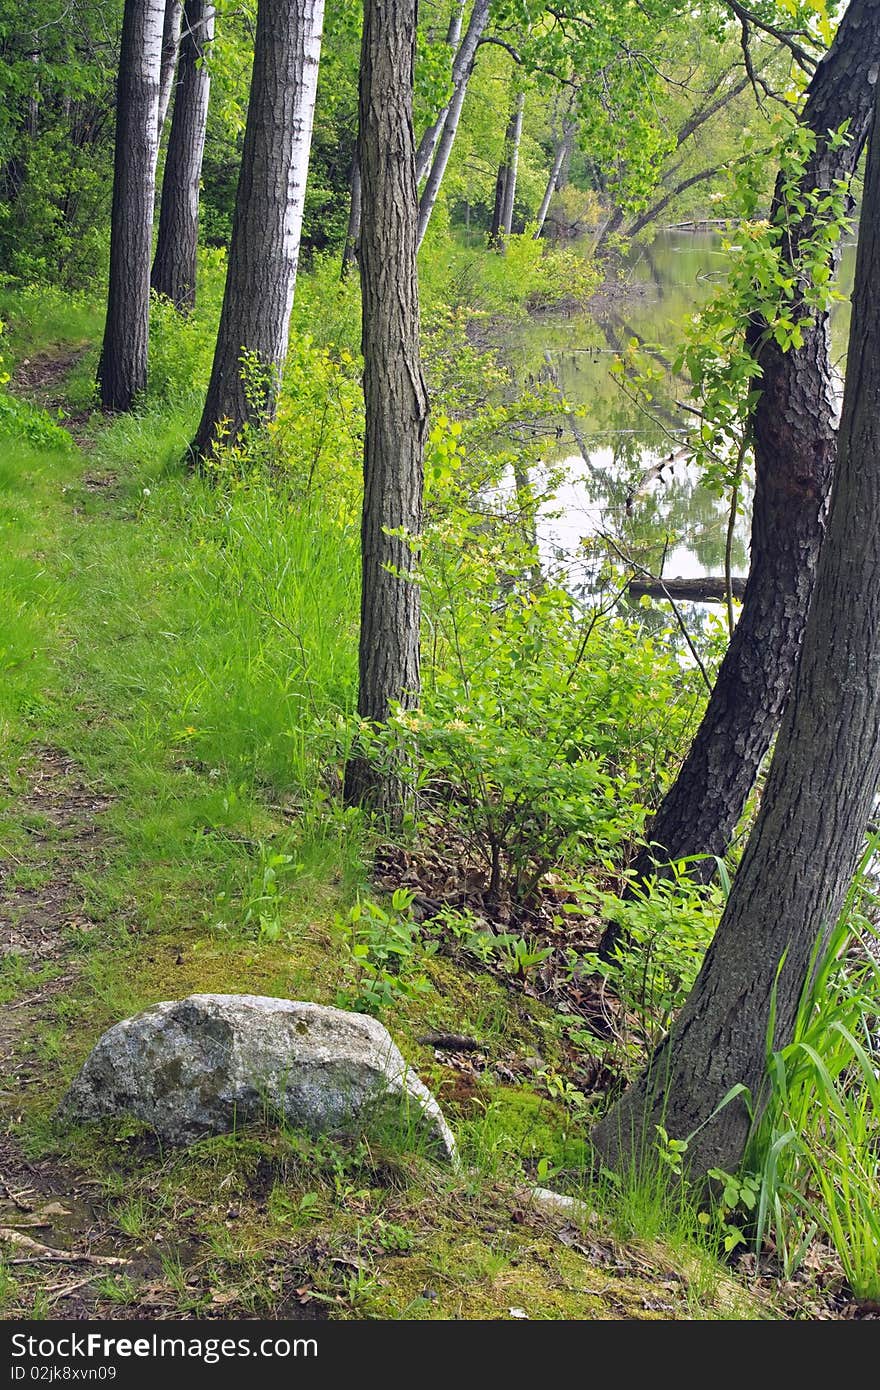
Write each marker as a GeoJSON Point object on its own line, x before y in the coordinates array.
{"type": "Point", "coordinates": [193, 648]}
{"type": "Point", "coordinates": [46, 320]}
{"type": "Point", "coordinates": [817, 1149]}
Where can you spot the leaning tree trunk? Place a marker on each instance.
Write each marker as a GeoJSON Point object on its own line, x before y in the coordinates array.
{"type": "Point", "coordinates": [122, 371]}
{"type": "Point", "coordinates": [170, 43]}
{"type": "Point", "coordinates": [462, 68]}
{"type": "Point", "coordinates": [395, 398]}
{"type": "Point", "coordinates": [174, 266]}
{"type": "Point", "coordinates": [355, 213]}
{"type": "Point", "coordinates": [555, 170]}
{"type": "Point", "coordinates": [267, 223]}
{"type": "Point", "coordinates": [428, 142]}
{"type": "Point", "coordinates": [819, 795]}
{"type": "Point", "coordinates": [795, 438]}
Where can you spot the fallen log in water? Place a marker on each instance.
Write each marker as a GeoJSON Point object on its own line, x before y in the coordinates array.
{"type": "Point", "coordinates": [708, 590]}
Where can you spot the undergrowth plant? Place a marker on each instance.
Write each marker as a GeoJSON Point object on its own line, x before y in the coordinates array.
{"type": "Point", "coordinates": [534, 742]}
{"type": "Point", "coordinates": [383, 954]}
{"type": "Point", "coordinates": [816, 1149]}
{"type": "Point", "coordinates": [667, 923]}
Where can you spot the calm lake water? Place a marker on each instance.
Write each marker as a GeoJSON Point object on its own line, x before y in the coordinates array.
{"type": "Point", "coordinates": [611, 455]}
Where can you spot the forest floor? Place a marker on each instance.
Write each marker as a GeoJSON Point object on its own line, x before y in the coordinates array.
{"type": "Point", "coordinates": [118, 855]}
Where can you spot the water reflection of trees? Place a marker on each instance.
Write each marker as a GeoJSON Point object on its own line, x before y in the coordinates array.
{"type": "Point", "coordinates": [624, 481]}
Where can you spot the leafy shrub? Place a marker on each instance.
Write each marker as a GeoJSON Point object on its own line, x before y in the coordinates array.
{"type": "Point", "coordinates": [527, 274]}
{"type": "Point", "coordinates": [535, 739]}
{"type": "Point", "coordinates": [667, 924]}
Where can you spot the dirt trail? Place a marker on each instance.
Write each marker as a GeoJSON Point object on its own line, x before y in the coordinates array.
{"type": "Point", "coordinates": [41, 379]}
{"type": "Point", "coordinates": [47, 1219]}
{"type": "Point", "coordinates": [40, 905]}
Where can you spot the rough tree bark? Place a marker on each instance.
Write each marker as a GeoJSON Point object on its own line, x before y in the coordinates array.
{"type": "Point", "coordinates": [428, 142]}
{"type": "Point", "coordinates": [819, 796]}
{"type": "Point", "coordinates": [174, 265]}
{"type": "Point", "coordinates": [395, 397]}
{"type": "Point", "coordinates": [462, 69]}
{"type": "Point", "coordinates": [355, 213]}
{"type": "Point", "coordinates": [795, 440]}
{"type": "Point", "coordinates": [122, 371]}
{"type": "Point", "coordinates": [170, 43]}
{"type": "Point", "coordinates": [267, 222]}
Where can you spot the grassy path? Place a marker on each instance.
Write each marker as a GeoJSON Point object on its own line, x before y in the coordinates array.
{"type": "Point", "coordinates": [153, 844]}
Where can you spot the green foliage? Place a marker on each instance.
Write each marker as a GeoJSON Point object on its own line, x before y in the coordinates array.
{"type": "Point", "coordinates": [533, 739]}
{"type": "Point", "coordinates": [382, 948]}
{"type": "Point", "coordinates": [735, 1206]}
{"type": "Point", "coordinates": [265, 902]}
{"type": "Point", "coordinates": [182, 345]}
{"type": "Point", "coordinates": [56, 97]}
{"type": "Point", "coordinates": [530, 274]}
{"type": "Point", "coordinates": [666, 925]}
{"type": "Point", "coordinates": [780, 279]}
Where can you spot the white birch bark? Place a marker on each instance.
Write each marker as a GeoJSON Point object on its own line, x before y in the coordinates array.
{"type": "Point", "coordinates": [267, 224]}
{"type": "Point", "coordinates": [461, 75]}
{"type": "Point", "coordinates": [428, 142]}
{"type": "Point", "coordinates": [170, 45]}
{"type": "Point", "coordinates": [512, 166]}
{"type": "Point", "coordinates": [561, 151]}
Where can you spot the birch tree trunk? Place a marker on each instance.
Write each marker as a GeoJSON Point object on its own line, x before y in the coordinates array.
{"type": "Point", "coordinates": [428, 142]}
{"type": "Point", "coordinates": [122, 371]}
{"type": "Point", "coordinates": [795, 445]}
{"type": "Point", "coordinates": [395, 397]}
{"type": "Point", "coordinates": [170, 44]}
{"type": "Point", "coordinates": [562, 149]}
{"type": "Point", "coordinates": [174, 266]}
{"type": "Point", "coordinates": [820, 792]}
{"type": "Point", "coordinates": [462, 69]}
{"type": "Point", "coordinates": [267, 223]}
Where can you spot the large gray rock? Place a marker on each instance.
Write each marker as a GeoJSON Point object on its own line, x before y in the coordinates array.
{"type": "Point", "coordinates": [206, 1064]}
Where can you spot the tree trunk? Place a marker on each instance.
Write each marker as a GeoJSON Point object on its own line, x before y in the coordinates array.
{"type": "Point", "coordinates": [355, 212]}
{"type": "Point", "coordinates": [395, 397]}
{"type": "Point", "coordinates": [819, 795]}
{"type": "Point", "coordinates": [514, 135]}
{"type": "Point", "coordinates": [795, 437]}
{"type": "Point", "coordinates": [709, 589]}
{"type": "Point", "coordinates": [267, 223]}
{"type": "Point", "coordinates": [428, 142]}
{"type": "Point", "coordinates": [498, 205]}
{"type": "Point", "coordinates": [174, 266]}
{"type": "Point", "coordinates": [505, 184]}
{"type": "Point", "coordinates": [553, 181]}
{"type": "Point", "coordinates": [462, 68]}
{"type": "Point", "coordinates": [122, 371]}
{"type": "Point", "coordinates": [170, 43]}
